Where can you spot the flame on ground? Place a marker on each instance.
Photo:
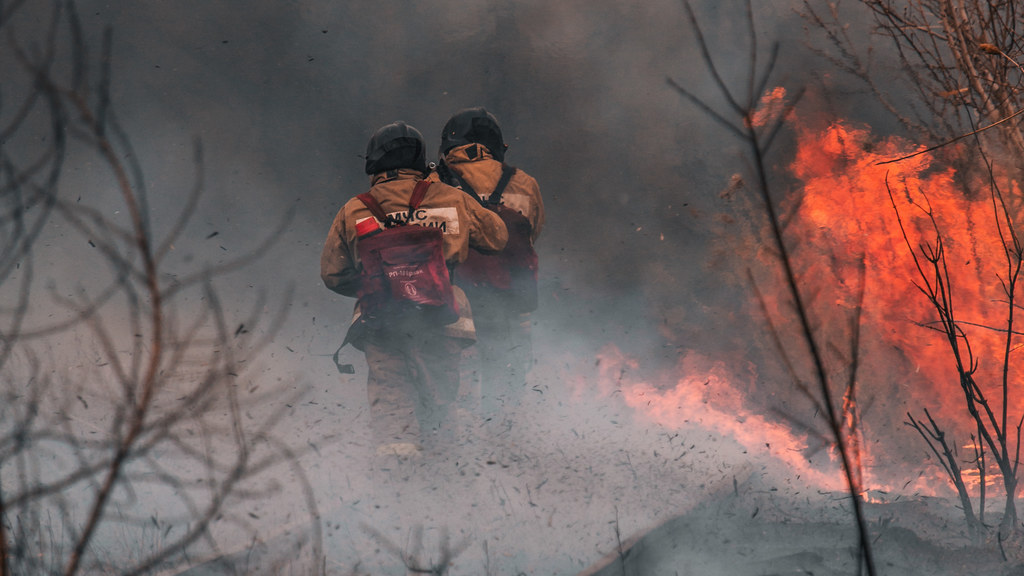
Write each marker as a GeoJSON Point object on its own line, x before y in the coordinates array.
{"type": "Point", "coordinates": [845, 220]}
{"type": "Point", "coordinates": [703, 394]}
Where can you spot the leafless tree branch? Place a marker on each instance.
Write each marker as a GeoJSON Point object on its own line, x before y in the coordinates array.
{"type": "Point", "coordinates": [841, 420]}
{"type": "Point", "coordinates": [156, 400]}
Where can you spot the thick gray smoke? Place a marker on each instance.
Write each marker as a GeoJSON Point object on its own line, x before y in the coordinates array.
{"type": "Point", "coordinates": [283, 97]}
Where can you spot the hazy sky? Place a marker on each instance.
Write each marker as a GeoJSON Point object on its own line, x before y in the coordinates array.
{"type": "Point", "coordinates": [284, 95]}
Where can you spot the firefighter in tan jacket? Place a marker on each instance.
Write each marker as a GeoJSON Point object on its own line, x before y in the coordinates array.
{"type": "Point", "coordinates": [472, 157]}
{"type": "Point", "coordinates": [412, 361]}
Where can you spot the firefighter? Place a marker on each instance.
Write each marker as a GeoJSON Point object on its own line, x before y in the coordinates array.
{"type": "Point", "coordinates": [413, 357]}
{"type": "Point", "coordinates": [472, 154]}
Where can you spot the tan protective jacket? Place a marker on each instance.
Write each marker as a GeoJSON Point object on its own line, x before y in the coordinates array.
{"type": "Point", "coordinates": [474, 164]}
{"type": "Point", "coordinates": [463, 221]}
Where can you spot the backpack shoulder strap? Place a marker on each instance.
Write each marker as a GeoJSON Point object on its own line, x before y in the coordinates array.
{"type": "Point", "coordinates": [465, 186]}
{"type": "Point", "coordinates": [506, 174]}
{"type": "Point", "coordinates": [371, 203]}
{"type": "Point", "coordinates": [418, 193]}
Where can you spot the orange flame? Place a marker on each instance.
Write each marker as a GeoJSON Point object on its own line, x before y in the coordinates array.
{"type": "Point", "coordinates": [844, 220]}
{"type": "Point", "coordinates": [846, 214]}
{"type": "Point", "coordinates": [770, 108]}
{"type": "Point", "coordinates": [705, 395]}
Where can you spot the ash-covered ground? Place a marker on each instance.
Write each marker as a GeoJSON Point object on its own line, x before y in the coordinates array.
{"type": "Point", "coordinates": [574, 481]}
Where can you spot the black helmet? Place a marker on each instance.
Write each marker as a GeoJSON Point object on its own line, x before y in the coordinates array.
{"type": "Point", "coordinates": [473, 125]}
{"type": "Point", "coordinates": [395, 146]}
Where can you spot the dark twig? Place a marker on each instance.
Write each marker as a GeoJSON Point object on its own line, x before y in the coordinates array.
{"type": "Point", "coordinates": [935, 438]}
{"type": "Point", "coordinates": [750, 134]}
{"type": "Point", "coordinates": [158, 395]}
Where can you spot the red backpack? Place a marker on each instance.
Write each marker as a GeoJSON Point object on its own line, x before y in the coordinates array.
{"type": "Point", "coordinates": [511, 272]}
{"type": "Point", "coordinates": [404, 270]}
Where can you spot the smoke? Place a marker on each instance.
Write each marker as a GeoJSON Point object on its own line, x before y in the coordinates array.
{"type": "Point", "coordinates": [640, 238]}
{"type": "Point", "coordinates": [284, 97]}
